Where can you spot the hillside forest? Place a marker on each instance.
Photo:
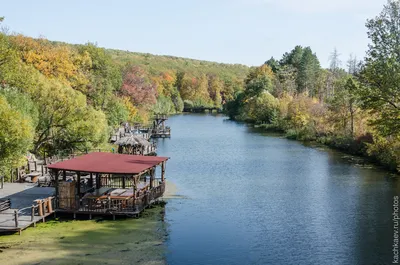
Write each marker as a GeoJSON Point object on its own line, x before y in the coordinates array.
{"type": "Point", "coordinates": [57, 96]}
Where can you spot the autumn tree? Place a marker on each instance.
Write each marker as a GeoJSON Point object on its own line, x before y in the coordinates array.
{"type": "Point", "coordinates": [105, 77]}
{"type": "Point", "coordinates": [138, 88]}
{"type": "Point", "coordinates": [215, 86]}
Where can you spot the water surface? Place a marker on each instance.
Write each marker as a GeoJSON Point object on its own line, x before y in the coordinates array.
{"type": "Point", "coordinates": [249, 198]}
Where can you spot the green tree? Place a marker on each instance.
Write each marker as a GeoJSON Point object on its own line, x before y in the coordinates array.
{"type": "Point", "coordinates": [381, 90]}
{"type": "Point", "coordinates": [308, 71]}
{"type": "Point", "coordinates": [16, 136]}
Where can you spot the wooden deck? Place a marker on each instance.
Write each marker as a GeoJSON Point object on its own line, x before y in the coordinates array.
{"type": "Point", "coordinates": [7, 221]}
{"type": "Point", "coordinates": [22, 197]}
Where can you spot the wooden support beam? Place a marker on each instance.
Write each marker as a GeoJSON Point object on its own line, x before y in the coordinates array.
{"type": "Point", "coordinates": [163, 171]}
{"type": "Point", "coordinates": [134, 186]}
{"type": "Point", "coordinates": [55, 173]}
{"type": "Point", "coordinates": [123, 182]}
{"type": "Point", "coordinates": [91, 180]}
{"type": "Point", "coordinates": [32, 213]}
{"type": "Point", "coordinates": [97, 181]}
{"type": "Point", "coordinates": [152, 175]}
{"type": "Point", "coordinates": [78, 187]}
{"type": "Point", "coordinates": [64, 175]}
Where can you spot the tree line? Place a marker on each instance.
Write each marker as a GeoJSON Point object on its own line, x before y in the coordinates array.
{"type": "Point", "coordinates": [56, 97]}
{"type": "Point", "coordinates": [354, 107]}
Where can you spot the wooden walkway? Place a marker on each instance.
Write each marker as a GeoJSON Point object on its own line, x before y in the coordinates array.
{"type": "Point", "coordinates": [7, 221]}
{"type": "Point", "coordinates": [23, 197]}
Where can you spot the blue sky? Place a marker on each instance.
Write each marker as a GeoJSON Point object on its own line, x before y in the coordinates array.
{"type": "Point", "coordinates": [231, 31]}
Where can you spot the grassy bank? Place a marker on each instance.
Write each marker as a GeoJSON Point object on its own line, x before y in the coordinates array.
{"type": "Point", "coordinates": [372, 151]}
{"type": "Point", "coordinates": [129, 241]}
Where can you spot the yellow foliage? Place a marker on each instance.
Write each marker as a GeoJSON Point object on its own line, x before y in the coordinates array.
{"type": "Point", "coordinates": [133, 111]}
{"type": "Point", "coordinates": [54, 60]}
{"type": "Point", "coordinates": [263, 70]}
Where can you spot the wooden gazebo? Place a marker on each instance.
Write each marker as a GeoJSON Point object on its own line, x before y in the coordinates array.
{"type": "Point", "coordinates": [135, 144]}
{"type": "Point", "coordinates": [107, 183]}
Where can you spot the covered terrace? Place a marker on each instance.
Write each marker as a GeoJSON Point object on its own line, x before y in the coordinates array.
{"type": "Point", "coordinates": [107, 183]}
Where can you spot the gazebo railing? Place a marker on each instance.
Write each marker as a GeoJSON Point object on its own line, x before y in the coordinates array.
{"type": "Point", "coordinates": [129, 205]}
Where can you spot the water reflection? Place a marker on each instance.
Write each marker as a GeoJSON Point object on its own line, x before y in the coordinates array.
{"type": "Point", "coordinates": [257, 199]}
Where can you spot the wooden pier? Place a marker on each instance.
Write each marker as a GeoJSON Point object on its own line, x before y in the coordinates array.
{"type": "Point", "coordinates": [159, 130]}
{"type": "Point", "coordinates": [22, 206]}
{"type": "Point", "coordinates": [202, 109]}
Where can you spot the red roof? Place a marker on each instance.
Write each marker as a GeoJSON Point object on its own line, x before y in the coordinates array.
{"type": "Point", "coordinates": [109, 163]}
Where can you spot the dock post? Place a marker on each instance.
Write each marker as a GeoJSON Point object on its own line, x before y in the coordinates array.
{"type": "Point", "coordinates": [40, 209]}
{"type": "Point", "coordinates": [16, 217]}
{"type": "Point", "coordinates": [49, 205]}
{"type": "Point", "coordinates": [33, 213]}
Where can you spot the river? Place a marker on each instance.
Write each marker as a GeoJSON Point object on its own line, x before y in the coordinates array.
{"type": "Point", "coordinates": [250, 198]}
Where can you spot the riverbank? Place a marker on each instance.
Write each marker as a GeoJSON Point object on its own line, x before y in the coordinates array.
{"type": "Point", "coordinates": [100, 241]}
{"type": "Point", "coordinates": [380, 155]}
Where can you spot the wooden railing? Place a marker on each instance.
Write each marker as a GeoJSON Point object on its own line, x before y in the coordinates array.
{"type": "Point", "coordinates": [111, 205]}
{"type": "Point", "coordinates": [42, 208]}
{"type": "Point", "coordinates": [5, 205]}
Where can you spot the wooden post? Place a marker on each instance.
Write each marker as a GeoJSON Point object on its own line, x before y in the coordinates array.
{"type": "Point", "coordinates": [134, 186]}
{"type": "Point", "coordinates": [49, 205]}
{"type": "Point", "coordinates": [91, 180]}
{"type": "Point", "coordinates": [35, 163]}
{"type": "Point", "coordinates": [163, 171]}
{"type": "Point", "coordinates": [12, 176]}
{"type": "Point", "coordinates": [16, 217]}
{"type": "Point", "coordinates": [42, 169]}
{"type": "Point", "coordinates": [40, 207]}
{"type": "Point", "coordinates": [33, 213]}
{"type": "Point", "coordinates": [29, 166]}
{"type": "Point", "coordinates": [152, 173]}
{"type": "Point", "coordinates": [64, 175]}
{"type": "Point", "coordinates": [18, 175]}
{"type": "Point", "coordinates": [78, 187]}
{"type": "Point", "coordinates": [55, 172]}
{"type": "Point", "coordinates": [123, 182]}
{"type": "Point", "coordinates": [2, 181]}
{"type": "Point", "coordinates": [43, 202]}
{"type": "Point", "coordinates": [97, 181]}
